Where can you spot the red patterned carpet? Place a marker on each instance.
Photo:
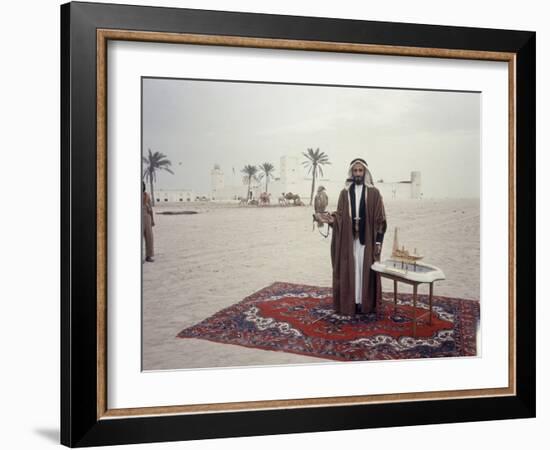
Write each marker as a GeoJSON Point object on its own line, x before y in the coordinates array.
{"type": "Point", "coordinates": [299, 319]}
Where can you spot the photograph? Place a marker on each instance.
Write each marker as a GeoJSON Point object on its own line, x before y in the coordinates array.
{"type": "Point", "coordinates": [288, 223]}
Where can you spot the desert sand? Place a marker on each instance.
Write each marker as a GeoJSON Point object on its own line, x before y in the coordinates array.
{"type": "Point", "coordinates": [210, 260]}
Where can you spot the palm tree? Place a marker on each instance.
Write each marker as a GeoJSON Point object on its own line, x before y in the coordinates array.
{"type": "Point", "coordinates": [153, 162]}
{"type": "Point", "coordinates": [266, 170]}
{"type": "Point", "coordinates": [249, 176]}
{"type": "Point", "coordinates": [315, 160]}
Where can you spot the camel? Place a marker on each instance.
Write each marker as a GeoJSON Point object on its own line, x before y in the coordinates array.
{"type": "Point", "coordinates": [295, 199]}
{"type": "Point", "coordinates": [289, 196]}
{"type": "Point", "coordinates": [264, 199]}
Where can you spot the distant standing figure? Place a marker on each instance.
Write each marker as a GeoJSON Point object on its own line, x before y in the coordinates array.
{"type": "Point", "coordinates": [148, 224]}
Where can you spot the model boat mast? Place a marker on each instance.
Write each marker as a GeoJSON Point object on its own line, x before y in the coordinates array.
{"type": "Point", "coordinates": [402, 254]}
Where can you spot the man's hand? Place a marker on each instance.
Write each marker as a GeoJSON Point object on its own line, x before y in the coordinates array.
{"type": "Point", "coordinates": [324, 217]}
{"type": "Point", "coordinates": [377, 251]}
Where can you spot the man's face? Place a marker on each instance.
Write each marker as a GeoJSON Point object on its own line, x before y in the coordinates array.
{"type": "Point", "coordinates": [358, 172]}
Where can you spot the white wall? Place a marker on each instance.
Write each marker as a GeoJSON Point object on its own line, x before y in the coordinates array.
{"type": "Point", "coordinates": [29, 319]}
{"type": "Point", "coordinates": [173, 196]}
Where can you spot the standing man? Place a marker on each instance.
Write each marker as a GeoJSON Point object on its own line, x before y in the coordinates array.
{"type": "Point", "coordinates": [148, 222]}
{"type": "Point", "coordinates": [358, 224]}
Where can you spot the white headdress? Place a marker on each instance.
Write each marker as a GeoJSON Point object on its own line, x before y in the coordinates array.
{"type": "Point", "coordinates": [368, 177]}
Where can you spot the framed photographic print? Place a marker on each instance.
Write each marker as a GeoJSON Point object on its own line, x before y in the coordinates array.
{"type": "Point", "coordinates": [278, 224]}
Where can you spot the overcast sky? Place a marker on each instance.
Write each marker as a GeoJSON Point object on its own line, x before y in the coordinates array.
{"type": "Point", "coordinates": [197, 124]}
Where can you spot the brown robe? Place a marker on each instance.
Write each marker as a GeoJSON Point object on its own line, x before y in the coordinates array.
{"type": "Point", "coordinates": [341, 252]}
{"type": "Point", "coordinates": [147, 225]}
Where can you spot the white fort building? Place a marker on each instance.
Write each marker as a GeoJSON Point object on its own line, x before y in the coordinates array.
{"type": "Point", "coordinates": [292, 178]}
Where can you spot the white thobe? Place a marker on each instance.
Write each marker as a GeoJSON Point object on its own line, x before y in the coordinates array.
{"type": "Point", "coordinates": [358, 248]}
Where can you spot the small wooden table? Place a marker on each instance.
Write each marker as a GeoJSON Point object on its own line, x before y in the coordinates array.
{"type": "Point", "coordinates": [413, 274]}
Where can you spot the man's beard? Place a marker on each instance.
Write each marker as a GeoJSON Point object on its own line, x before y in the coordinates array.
{"type": "Point", "coordinates": [358, 179]}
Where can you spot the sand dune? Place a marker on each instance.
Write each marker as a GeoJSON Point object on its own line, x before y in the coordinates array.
{"type": "Point", "coordinates": [207, 261]}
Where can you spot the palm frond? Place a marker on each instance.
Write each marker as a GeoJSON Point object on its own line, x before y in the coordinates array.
{"type": "Point", "coordinates": [249, 179]}
{"type": "Point", "coordinates": [249, 170]}
{"type": "Point", "coordinates": [320, 170]}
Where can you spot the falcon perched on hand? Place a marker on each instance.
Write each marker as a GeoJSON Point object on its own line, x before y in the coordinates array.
{"type": "Point", "coordinates": [320, 204]}
{"type": "Point", "coordinates": [321, 200]}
